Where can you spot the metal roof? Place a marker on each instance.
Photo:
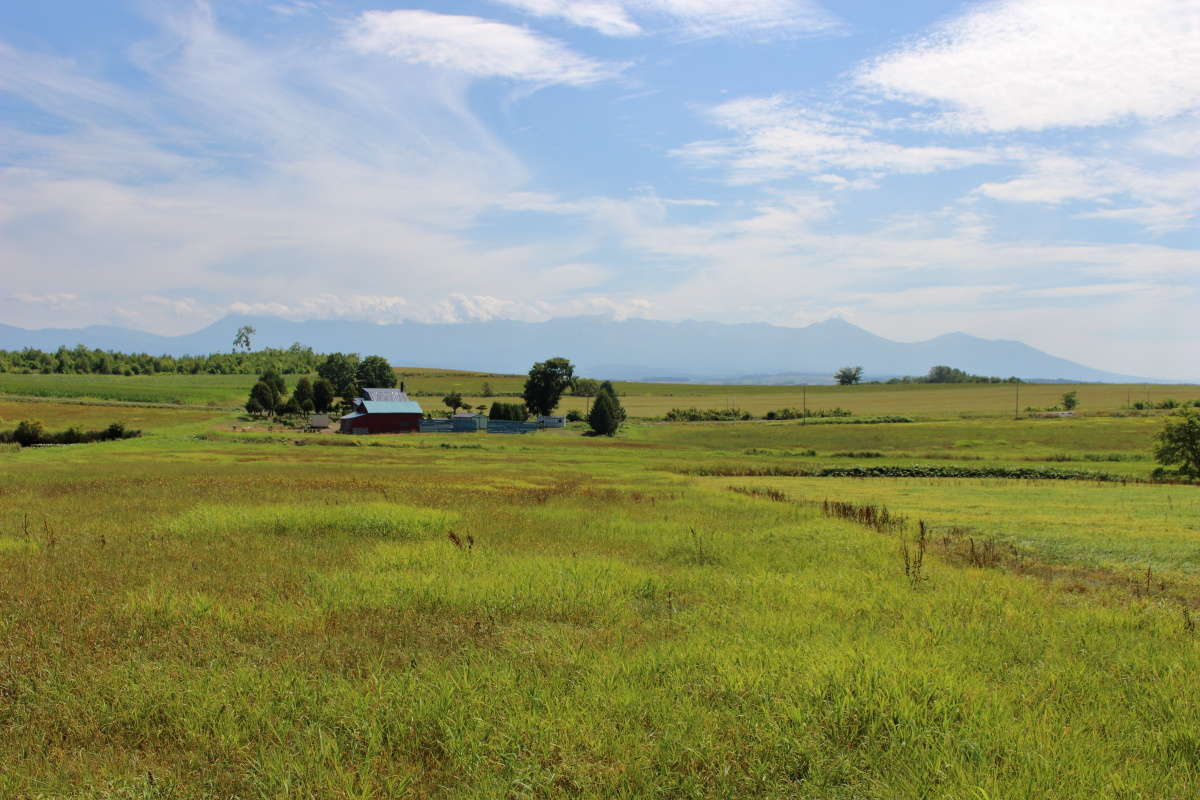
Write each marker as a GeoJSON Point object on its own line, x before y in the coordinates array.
{"type": "Point", "coordinates": [385, 407]}
{"type": "Point", "coordinates": [386, 395]}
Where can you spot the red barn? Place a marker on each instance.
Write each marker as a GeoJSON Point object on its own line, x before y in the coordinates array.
{"type": "Point", "coordinates": [383, 416]}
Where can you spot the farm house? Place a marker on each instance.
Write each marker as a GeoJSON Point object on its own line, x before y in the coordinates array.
{"type": "Point", "coordinates": [383, 411]}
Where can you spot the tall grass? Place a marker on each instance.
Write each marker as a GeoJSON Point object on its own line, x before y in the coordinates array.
{"type": "Point", "coordinates": [382, 520]}
{"type": "Point", "coordinates": [243, 618]}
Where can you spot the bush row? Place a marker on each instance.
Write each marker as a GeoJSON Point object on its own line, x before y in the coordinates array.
{"type": "Point", "coordinates": [31, 432]}
{"type": "Point", "coordinates": [825, 416]}
{"type": "Point", "coordinates": [911, 471]}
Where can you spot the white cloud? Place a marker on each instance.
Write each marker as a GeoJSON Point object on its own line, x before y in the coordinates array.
{"type": "Point", "coordinates": [252, 172]}
{"type": "Point", "coordinates": [609, 18]}
{"type": "Point", "coordinates": [327, 305]}
{"type": "Point", "coordinates": [1038, 64]}
{"type": "Point", "coordinates": [473, 46]}
{"type": "Point", "coordinates": [777, 139]}
{"type": "Point", "coordinates": [1159, 198]}
{"type": "Point", "coordinates": [1050, 179]}
{"type": "Point", "coordinates": [1096, 290]}
{"type": "Point", "coordinates": [1179, 138]}
{"type": "Point", "coordinates": [695, 18]}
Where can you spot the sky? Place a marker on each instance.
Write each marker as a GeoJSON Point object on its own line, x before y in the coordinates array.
{"type": "Point", "coordinates": [1021, 169]}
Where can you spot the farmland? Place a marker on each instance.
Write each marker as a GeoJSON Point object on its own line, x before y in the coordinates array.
{"type": "Point", "coordinates": [641, 400]}
{"type": "Point", "coordinates": [218, 609]}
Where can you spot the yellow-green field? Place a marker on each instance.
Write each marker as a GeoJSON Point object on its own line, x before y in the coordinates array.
{"type": "Point", "coordinates": [679, 611]}
{"type": "Point", "coordinates": [641, 400]}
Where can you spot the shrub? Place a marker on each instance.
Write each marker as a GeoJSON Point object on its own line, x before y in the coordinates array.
{"type": "Point", "coordinates": [31, 432]}
{"type": "Point", "coordinates": [513, 411]}
{"type": "Point", "coordinates": [706, 415]}
{"type": "Point", "coordinates": [807, 413]}
{"type": "Point", "coordinates": [1178, 443]}
{"type": "Point", "coordinates": [604, 418]}
{"type": "Point", "coordinates": [28, 433]}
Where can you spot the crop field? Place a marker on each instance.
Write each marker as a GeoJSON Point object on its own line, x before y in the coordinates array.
{"type": "Point", "coordinates": [228, 391]}
{"type": "Point", "coordinates": [641, 400]}
{"type": "Point", "coordinates": [221, 610]}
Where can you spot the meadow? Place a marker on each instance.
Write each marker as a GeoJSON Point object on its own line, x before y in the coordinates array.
{"type": "Point", "coordinates": [221, 610]}
{"type": "Point", "coordinates": [641, 400]}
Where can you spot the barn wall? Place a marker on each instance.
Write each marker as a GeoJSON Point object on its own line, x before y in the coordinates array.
{"type": "Point", "coordinates": [388, 423]}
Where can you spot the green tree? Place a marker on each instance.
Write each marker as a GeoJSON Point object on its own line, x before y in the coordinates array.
{"type": "Point", "coordinates": [1178, 443]}
{"type": "Point", "coordinates": [1070, 400]}
{"type": "Point", "coordinates": [340, 370]}
{"type": "Point", "coordinates": [303, 393]}
{"type": "Point", "coordinates": [546, 383]}
{"type": "Point", "coordinates": [264, 395]}
{"type": "Point", "coordinates": [486, 390]}
{"type": "Point", "coordinates": [454, 401]}
{"type": "Point", "coordinates": [288, 408]}
{"type": "Point", "coordinates": [847, 376]}
{"type": "Point", "coordinates": [275, 381]}
{"type": "Point", "coordinates": [513, 411]}
{"type": "Point", "coordinates": [607, 388]}
{"type": "Point", "coordinates": [323, 395]}
{"type": "Point", "coordinates": [375, 371]}
{"type": "Point", "coordinates": [585, 387]}
{"type": "Point", "coordinates": [241, 340]}
{"type": "Point", "coordinates": [944, 374]}
{"type": "Point", "coordinates": [604, 418]}
{"type": "Point", "coordinates": [253, 407]}
{"type": "Point", "coordinates": [29, 432]}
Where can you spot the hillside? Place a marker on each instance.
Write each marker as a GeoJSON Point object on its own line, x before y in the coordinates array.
{"type": "Point", "coordinates": [634, 349]}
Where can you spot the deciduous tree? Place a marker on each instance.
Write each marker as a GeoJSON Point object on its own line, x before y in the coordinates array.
{"type": "Point", "coordinates": [847, 376]}
{"type": "Point", "coordinates": [241, 340]}
{"type": "Point", "coordinates": [375, 371]}
{"type": "Point", "coordinates": [340, 370]}
{"type": "Point", "coordinates": [323, 395]}
{"type": "Point", "coordinates": [546, 383]}
{"type": "Point", "coordinates": [1178, 443]}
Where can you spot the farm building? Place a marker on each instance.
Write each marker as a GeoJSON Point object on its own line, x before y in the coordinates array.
{"type": "Point", "coordinates": [391, 395]}
{"type": "Point", "coordinates": [469, 423]}
{"type": "Point", "coordinates": [374, 414]}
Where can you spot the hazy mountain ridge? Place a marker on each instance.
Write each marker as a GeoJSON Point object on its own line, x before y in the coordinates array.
{"type": "Point", "coordinates": [600, 347]}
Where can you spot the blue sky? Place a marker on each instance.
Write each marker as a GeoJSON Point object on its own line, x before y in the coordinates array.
{"type": "Point", "coordinates": [1023, 169]}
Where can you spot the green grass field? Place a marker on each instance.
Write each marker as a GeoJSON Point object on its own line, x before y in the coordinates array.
{"type": "Point", "coordinates": [206, 612]}
{"type": "Point", "coordinates": [641, 400]}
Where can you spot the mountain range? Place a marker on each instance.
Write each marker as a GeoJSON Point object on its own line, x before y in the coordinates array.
{"type": "Point", "coordinates": [632, 349]}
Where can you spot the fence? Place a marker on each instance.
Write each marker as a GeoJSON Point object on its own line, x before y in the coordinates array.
{"type": "Point", "coordinates": [511, 426]}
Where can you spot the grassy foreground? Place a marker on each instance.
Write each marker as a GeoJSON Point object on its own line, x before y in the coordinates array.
{"type": "Point", "coordinates": [207, 613]}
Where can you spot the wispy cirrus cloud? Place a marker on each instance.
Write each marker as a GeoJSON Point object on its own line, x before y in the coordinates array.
{"type": "Point", "coordinates": [775, 138]}
{"type": "Point", "coordinates": [473, 46]}
{"type": "Point", "coordinates": [1114, 186]}
{"type": "Point", "coordinates": [692, 18]}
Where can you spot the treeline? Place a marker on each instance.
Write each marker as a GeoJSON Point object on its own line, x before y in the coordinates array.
{"type": "Point", "coordinates": [339, 375]}
{"type": "Point", "coordinates": [81, 360]}
{"type": "Point", "coordinates": [31, 432]}
{"type": "Point", "coordinates": [944, 374]}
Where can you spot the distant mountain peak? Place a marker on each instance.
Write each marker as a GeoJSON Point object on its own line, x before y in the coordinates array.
{"type": "Point", "coordinates": [694, 349]}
